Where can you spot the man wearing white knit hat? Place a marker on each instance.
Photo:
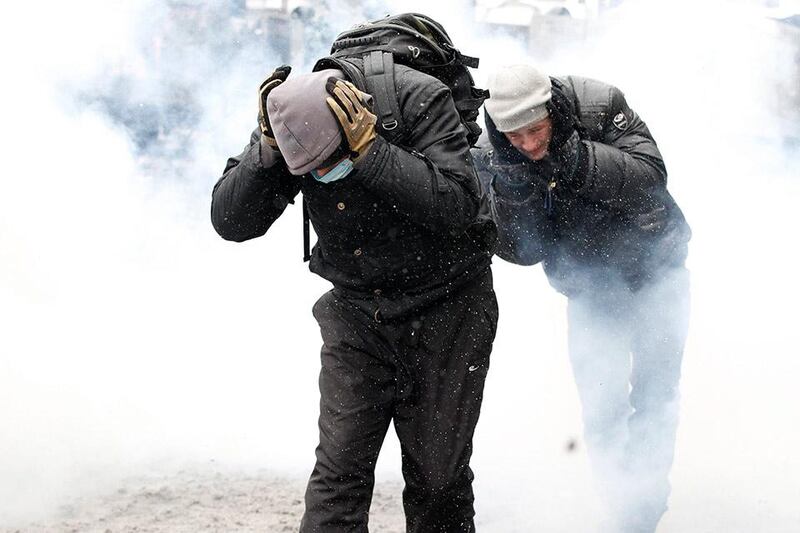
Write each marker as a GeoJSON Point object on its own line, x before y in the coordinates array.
{"type": "Point", "coordinates": [577, 182]}
{"type": "Point", "coordinates": [520, 100]}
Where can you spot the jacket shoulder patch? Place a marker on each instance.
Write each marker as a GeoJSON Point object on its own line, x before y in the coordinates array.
{"type": "Point", "coordinates": [621, 121]}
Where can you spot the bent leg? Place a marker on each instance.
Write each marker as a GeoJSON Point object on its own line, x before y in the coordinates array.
{"type": "Point", "coordinates": [357, 390]}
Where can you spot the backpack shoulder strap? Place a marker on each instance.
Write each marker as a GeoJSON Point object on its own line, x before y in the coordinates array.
{"type": "Point", "coordinates": [380, 83]}
{"type": "Point", "coordinates": [306, 234]}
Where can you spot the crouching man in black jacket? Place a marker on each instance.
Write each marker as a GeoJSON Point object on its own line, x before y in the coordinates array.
{"type": "Point", "coordinates": [409, 324]}
{"type": "Point", "coordinates": [577, 182]}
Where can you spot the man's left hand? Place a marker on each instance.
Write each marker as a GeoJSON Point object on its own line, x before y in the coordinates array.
{"type": "Point", "coordinates": [570, 158]}
{"type": "Point", "coordinates": [355, 119]}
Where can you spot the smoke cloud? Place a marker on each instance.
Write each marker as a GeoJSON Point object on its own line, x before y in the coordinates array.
{"type": "Point", "coordinates": [134, 339]}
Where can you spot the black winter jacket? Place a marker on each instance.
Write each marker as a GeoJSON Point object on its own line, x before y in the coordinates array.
{"type": "Point", "coordinates": [597, 210]}
{"type": "Point", "coordinates": [403, 224]}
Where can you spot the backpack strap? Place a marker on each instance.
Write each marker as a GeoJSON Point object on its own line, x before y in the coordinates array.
{"type": "Point", "coordinates": [380, 83]}
{"type": "Point", "coordinates": [469, 61]}
{"type": "Point", "coordinates": [306, 235]}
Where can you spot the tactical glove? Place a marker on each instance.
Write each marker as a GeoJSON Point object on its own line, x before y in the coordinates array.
{"type": "Point", "coordinates": [278, 76]}
{"type": "Point", "coordinates": [352, 112]}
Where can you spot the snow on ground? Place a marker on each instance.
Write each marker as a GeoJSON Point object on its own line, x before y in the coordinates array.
{"type": "Point", "coordinates": [202, 498]}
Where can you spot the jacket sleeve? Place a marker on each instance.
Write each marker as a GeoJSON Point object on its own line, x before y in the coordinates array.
{"type": "Point", "coordinates": [625, 169]}
{"type": "Point", "coordinates": [517, 210]}
{"type": "Point", "coordinates": [432, 180]}
{"type": "Point", "coordinates": [249, 197]}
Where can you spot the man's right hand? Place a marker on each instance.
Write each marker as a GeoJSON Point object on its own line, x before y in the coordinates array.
{"type": "Point", "coordinates": [276, 78]}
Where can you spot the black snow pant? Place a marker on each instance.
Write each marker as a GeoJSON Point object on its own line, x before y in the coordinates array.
{"type": "Point", "coordinates": [426, 371]}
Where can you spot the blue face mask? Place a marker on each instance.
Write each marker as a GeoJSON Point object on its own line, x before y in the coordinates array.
{"type": "Point", "coordinates": [338, 172]}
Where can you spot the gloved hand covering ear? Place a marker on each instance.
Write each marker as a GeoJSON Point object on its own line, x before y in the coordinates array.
{"type": "Point", "coordinates": [357, 122]}
{"type": "Point", "coordinates": [277, 77]}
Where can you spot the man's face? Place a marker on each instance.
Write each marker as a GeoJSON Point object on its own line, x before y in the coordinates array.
{"type": "Point", "coordinates": [532, 140]}
{"type": "Point", "coordinates": [321, 171]}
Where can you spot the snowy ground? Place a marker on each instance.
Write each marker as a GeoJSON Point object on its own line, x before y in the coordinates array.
{"type": "Point", "coordinates": [202, 499]}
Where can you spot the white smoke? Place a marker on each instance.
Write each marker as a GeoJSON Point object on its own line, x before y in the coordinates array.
{"type": "Point", "coordinates": [133, 337]}
{"type": "Point", "coordinates": [132, 333]}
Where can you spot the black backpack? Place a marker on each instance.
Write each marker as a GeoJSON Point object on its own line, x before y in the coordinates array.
{"type": "Point", "coordinates": [416, 41]}
{"type": "Point", "coordinates": [409, 39]}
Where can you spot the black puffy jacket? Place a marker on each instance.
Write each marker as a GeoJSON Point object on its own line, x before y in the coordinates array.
{"type": "Point", "coordinates": [405, 223]}
{"type": "Point", "coordinates": [606, 215]}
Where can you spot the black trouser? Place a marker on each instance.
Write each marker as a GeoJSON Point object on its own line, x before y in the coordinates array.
{"type": "Point", "coordinates": [426, 372]}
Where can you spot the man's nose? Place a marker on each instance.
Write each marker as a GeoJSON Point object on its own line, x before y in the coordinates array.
{"type": "Point", "coordinates": [529, 143]}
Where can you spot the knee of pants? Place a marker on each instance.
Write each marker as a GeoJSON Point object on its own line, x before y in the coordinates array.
{"type": "Point", "coordinates": [436, 484]}
{"type": "Point", "coordinates": [599, 418]}
{"type": "Point", "coordinates": [655, 396]}
{"type": "Point", "coordinates": [348, 455]}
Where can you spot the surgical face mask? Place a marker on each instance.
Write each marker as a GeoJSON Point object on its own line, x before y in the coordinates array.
{"type": "Point", "coordinates": [341, 170]}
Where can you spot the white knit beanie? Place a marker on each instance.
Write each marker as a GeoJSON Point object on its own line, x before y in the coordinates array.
{"type": "Point", "coordinates": [517, 96]}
